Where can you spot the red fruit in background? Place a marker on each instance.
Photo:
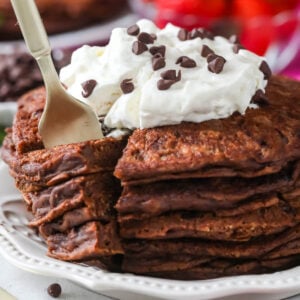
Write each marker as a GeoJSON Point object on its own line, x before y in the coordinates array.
{"type": "Point", "coordinates": [189, 13]}
{"type": "Point", "coordinates": [211, 9]}
{"type": "Point", "coordinates": [246, 9]}
{"type": "Point", "coordinates": [282, 5]}
{"type": "Point", "coordinates": [258, 34]}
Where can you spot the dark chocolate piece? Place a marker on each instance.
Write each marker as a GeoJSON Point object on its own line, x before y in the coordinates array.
{"type": "Point", "coordinates": [195, 33]}
{"type": "Point", "coordinates": [88, 87]}
{"type": "Point", "coordinates": [158, 49]}
{"type": "Point", "coordinates": [127, 86]}
{"type": "Point", "coordinates": [139, 47]}
{"type": "Point", "coordinates": [206, 51]}
{"type": "Point", "coordinates": [186, 62]}
{"type": "Point", "coordinates": [171, 75]}
{"type": "Point", "coordinates": [158, 62]}
{"type": "Point", "coordinates": [182, 34]}
{"type": "Point", "coordinates": [168, 79]}
{"type": "Point", "coordinates": [264, 67]}
{"type": "Point", "coordinates": [237, 47]}
{"type": "Point", "coordinates": [133, 30]}
{"type": "Point", "coordinates": [260, 98]}
{"type": "Point", "coordinates": [54, 290]}
{"type": "Point", "coordinates": [145, 38]}
{"type": "Point", "coordinates": [215, 63]}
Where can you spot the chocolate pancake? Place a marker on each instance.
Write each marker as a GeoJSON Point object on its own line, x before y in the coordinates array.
{"type": "Point", "coordinates": [90, 240]}
{"type": "Point", "coordinates": [96, 192]}
{"type": "Point", "coordinates": [205, 194]}
{"type": "Point", "coordinates": [61, 15]}
{"type": "Point", "coordinates": [264, 246]}
{"type": "Point", "coordinates": [39, 169]}
{"type": "Point", "coordinates": [195, 269]}
{"type": "Point", "coordinates": [260, 142]}
{"type": "Point", "coordinates": [263, 221]}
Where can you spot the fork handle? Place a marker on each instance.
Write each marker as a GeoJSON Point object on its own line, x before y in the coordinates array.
{"type": "Point", "coordinates": [36, 39]}
{"type": "Point", "coordinates": [32, 27]}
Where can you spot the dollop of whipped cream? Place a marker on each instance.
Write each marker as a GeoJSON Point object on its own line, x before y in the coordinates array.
{"type": "Point", "coordinates": [127, 80]}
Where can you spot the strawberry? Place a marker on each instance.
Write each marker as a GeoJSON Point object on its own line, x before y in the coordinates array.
{"type": "Point", "coordinates": [211, 9]}
{"type": "Point", "coordinates": [245, 10]}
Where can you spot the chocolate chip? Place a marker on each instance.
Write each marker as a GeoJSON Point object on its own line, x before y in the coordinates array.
{"type": "Point", "coordinates": [234, 39]}
{"type": "Point", "coordinates": [264, 67]}
{"type": "Point", "coordinates": [260, 98]}
{"type": "Point", "coordinates": [145, 38]}
{"type": "Point", "coordinates": [127, 86]}
{"type": "Point", "coordinates": [139, 47]}
{"type": "Point", "coordinates": [158, 62]}
{"type": "Point", "coordinates": [158, 49]}
{"type": "Point", "coordinates": [105, 129]}
{"type": "Point", "coordinates": [182, 34]}
{"type": "Point", "coordinates": [54, 290]}
{"type": "Point", "coordinates": [164, 84]}
{"type": "Point", "coordinates": [171, 75]}
{"type": "Point", "coordinates": [237, 47]}
{"type": "Point", "coordinates": [154, 36]}
{"type": "Point", "coordinates": [206, 51]}
{"type": "Point", "coordinates": [195, 33]}
{"type": "Point", "coordinates": [207, 34]}
{"type": "Point", "coordinates": [133, 30]}
{"type": "Point", "coordinates": [211, 57]}
{"type": "Point", "coordinates": [215, 63]}
{"type": "Point", "coordinates": [186, 62]}
{"type": "Point", "coordinates": [88, 87]}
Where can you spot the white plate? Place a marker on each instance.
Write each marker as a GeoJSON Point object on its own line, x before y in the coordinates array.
{"type": "Point", "coordinates": [23, 248]}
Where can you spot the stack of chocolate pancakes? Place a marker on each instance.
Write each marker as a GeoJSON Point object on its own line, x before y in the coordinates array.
{"type": "Point", "coordinates": [196, 200]}
{"type": "Point", "coordinates": [70, 189]}
{"type": "Point", "coordinates": [217, 198]}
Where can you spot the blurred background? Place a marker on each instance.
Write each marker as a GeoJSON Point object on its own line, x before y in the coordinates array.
{"type": "Point", "coordinates": [268, 27]}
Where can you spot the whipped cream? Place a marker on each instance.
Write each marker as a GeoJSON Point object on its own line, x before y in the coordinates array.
{"type": "Point", "coordinates": [199, 95]}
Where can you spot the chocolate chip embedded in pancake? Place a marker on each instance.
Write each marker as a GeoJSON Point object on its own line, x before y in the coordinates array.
{"type": "Point", "coordinates": [260, 142]}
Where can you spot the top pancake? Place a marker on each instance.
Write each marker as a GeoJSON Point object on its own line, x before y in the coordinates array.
{"type": "Point", "coordinates": [262, 141]}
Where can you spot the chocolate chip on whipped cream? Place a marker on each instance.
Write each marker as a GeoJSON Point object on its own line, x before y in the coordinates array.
{"type": "Point", "coordinates": [186, 62]}
{"type": "Point", "coordinates": [265, 69]}
{"type": "Point", "coordinates": [215, 63]}
{"type": "Point", "coordinates": [127, 86]}
{"type": "Point", "coordinates": [88, 87]}
{"type": "Point", "coordinates": [169, 77]}
{"type": "Point", "coordinates": [158, 61]}
{"type": "Point", "coordinates": [237, 47]}
{"type": "Point", "coordinates": [146, 38]}
{"type": "Point", "coordinates": [195, 33]}
{"type": "Point", "coordinates": [158, 49]}
{"type": "Point", "coordinates": [206, 51]}
{"type": "Point", "coordinates": [182, 34]}
{"type": "Point", "coordinates": [133, 30]}
{"type": "Point", "coordinates": [138, 47]}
